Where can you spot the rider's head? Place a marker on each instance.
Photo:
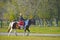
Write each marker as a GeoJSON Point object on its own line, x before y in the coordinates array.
{"type": "Point", "coordinates": [20, 14]}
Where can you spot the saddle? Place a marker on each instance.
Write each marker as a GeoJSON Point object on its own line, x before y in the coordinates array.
{"type": "Point", "coordinates": [21, 22]}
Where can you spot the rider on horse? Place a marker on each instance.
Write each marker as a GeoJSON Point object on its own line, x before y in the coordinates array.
{"type": "Point", "coordinates": [21, 17]}
{"type": "Point", "coordinates": [21, 21]}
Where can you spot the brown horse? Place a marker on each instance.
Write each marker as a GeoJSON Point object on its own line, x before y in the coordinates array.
{"type": "Point", "coordinates": [14, 25]}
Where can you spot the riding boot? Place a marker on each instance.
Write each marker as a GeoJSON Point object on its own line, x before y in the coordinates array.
{"type": "Point", "coordinates": [19, 28]}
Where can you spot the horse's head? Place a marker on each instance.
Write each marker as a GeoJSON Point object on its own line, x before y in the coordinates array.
{"type": "Point", "coordinates": [31, 21]}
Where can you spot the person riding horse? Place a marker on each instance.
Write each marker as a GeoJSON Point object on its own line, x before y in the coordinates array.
{"type": "Point", "coordinates": [21, 17]}
{"type": "Point", "coordinates": [21, 21]}
{"type": "Point", "coordinates": [26, 24]}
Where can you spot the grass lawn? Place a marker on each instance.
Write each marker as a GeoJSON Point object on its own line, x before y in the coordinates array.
{"type": "Point", "coordinates": [28, 38]}
{"type": "Point", "coordinates": [37, 29]}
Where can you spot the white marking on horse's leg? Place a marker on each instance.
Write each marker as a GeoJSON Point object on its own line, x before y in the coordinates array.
{"type": "Point", "coordinates": [9, 31]}
{"type": "Point", "coordinates": [28, 33]}
{"type": "Point", "coordinates": [15, 32]}
{"type": "Point", "coordinates": [24, 32]}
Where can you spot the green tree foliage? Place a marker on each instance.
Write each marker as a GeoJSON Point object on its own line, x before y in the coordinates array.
{"type": "Point", "coordinates": [58, 7]}
{"type": "Point", "coordinates": [41, 8]}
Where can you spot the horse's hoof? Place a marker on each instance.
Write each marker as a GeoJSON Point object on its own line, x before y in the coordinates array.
{"type": "Point", "coordinates": [27, 35]}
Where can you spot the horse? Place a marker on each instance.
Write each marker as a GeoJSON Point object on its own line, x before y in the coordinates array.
{"type": "Point", "coordinates": [14, 25]}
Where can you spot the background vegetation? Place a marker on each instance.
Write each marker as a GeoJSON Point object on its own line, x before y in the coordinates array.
{"type": "Point", "coordinates": [45, 10]}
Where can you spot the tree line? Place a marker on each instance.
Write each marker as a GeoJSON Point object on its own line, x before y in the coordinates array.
{"type": "Point", "coordinates": [45, 10]}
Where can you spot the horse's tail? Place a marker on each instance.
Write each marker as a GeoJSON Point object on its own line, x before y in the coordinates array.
{"type": "Point", "coordinates": [9, 29]}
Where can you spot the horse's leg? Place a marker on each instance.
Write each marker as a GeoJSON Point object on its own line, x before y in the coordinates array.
{"type": "Point", "coordinates": [9, 31]}
{"type": "Point", "coordinates": [15, 32]}
{"type": "Point", "coordinates": [24, 31]}
{"type": "Point", "coordinates": [28, 31]}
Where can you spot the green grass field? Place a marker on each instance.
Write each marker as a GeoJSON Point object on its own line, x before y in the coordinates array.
{"type": "Point", "coordinates": [28, 38]}
{"type": "Point", "coordinates": [33, 29]}
{"type": "Point", "coordinates": [37, 29]}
